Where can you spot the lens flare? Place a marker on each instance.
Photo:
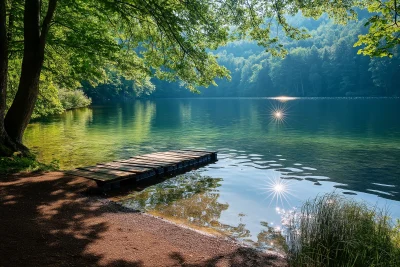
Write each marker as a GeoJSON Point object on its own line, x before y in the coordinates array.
{"type": "Point", "coordinates": [278, 115]}
{"type": "Point", "coordinates": [277, 190]}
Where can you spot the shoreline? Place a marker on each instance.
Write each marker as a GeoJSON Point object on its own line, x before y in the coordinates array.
{"type": "Point", "coordinates": [49, 220]}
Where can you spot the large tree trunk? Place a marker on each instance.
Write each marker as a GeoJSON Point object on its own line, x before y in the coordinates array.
{"type": "Point", "coordinates": [6, 148]}
{"type": "Point", "coordinates": [20, 112]}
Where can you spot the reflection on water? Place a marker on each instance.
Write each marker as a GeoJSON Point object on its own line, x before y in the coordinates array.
{"type": "Point", "coordinates": [284, 99]}
{"type": "Point", "coordinates": [265, 165]}
{"type": "Point", "coordinates": [194, 199]}
{"type": "Point", "coordinates": [87, 136]}
{"type": "Point", "coordinates": [278, 190]}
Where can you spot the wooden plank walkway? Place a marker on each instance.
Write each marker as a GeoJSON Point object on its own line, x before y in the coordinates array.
{"type": "Point", "coordinates": [137, 168]}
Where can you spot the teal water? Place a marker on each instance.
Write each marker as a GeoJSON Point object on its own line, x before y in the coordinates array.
{"type": "Point", "coordinates": [273, 155]}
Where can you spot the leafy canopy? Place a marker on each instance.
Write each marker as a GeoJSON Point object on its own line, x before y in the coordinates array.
{"type": "Point", "coordinates": [384, 29]}
{"type": "Point", "coordinates": [168, 39]}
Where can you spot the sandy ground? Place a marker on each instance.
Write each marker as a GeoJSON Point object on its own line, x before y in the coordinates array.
{"type": "Point", "coordinates": [49, 220]}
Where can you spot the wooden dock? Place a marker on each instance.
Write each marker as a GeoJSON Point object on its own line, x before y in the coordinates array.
{"type": "Point", "coordinates": [159, 164]}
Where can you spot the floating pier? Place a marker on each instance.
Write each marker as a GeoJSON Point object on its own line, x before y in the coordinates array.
{"type": "Point", "coordinates": [159, 164]}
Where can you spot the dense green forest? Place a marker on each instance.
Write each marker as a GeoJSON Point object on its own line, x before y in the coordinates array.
{"type": "Point", "coordinates": [324, 65]}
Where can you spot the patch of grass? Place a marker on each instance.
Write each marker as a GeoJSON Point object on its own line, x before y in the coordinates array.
{"type": "Point", "coordinates": [18, 164]}
{"type": "Point", "coordinates": [332, 230]}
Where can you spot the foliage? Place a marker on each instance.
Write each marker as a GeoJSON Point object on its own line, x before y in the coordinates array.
{"type": "Point", "coordinates": [135, 39]}
{"type": "Point", "coordinates": [18, 164]}
{"type": "Point", "coordinates": [331, 230]}
{"type": "Point", "coordinates": [51, 99]}
{"type": "Point", "coordinates": [384, 29]}
{"type": "Point", "coordinates": [117, 88]}
{"type": "Point", "coordinates": [73, 99]}
{"type": "Point", "coordinates": [48, 102]}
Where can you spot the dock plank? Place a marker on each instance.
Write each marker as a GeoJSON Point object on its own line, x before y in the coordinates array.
{"type": "Point", "coordinates": [124, 167]}
{"type": "Point", "coordinates": [173, 156]}
{"type": "Point", "coordinates": [166, 167]}
{"type": "Point", "coordinates": [140, 174]}
{"type": "Point", "coordinates": [139, 167]}
{"type": "Point", "coordinates": [107, 171]}
{"type": "Point", "coordinates": [92, 175]}
{"type": "Point", "coordinates": [160, 160]}
{"type": "Point", "coordinates": [157, 158]}
{"type": "Point", "coordinates": [145, 160]}
{"type": "Point", "coordinates": [201, 156]}
{"type": "Point", "coordinates": [176, 155]}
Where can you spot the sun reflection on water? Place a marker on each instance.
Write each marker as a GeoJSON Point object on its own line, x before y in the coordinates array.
{"type": "Point", "coordinates": [278, 191]}
{"type": "Point", "coordinates": [283, 99]}
{"type": "Point", "coordinates": [278, 115]}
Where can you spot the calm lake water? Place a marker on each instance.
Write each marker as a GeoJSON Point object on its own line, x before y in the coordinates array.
{"type": "Point", "coordinates": [273, 155]}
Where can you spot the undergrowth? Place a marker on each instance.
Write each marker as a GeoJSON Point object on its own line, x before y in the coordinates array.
{"type": "Point", "coordinates": [18, 164]}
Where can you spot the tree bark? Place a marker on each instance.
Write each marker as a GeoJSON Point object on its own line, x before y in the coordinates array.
{"type": "Point", "coordinates": [5, 145]}
{"type": "Point", "coordinates": [20, 112]}
{"type": "Point", "coordinates": [3, 62]}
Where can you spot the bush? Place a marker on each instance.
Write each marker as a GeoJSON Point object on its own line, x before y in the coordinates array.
{"type": "Point", "coordinates": [332, 230]}
{"type": "Point", "coordinates": [73, 99]}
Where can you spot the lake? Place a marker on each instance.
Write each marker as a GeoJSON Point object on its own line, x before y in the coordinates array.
{"type": "Point", "coordinates": [273, 155]}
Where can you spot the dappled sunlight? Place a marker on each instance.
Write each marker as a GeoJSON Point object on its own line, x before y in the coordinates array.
{"type": "Point", "coordinates": [80, 231]}
{"type": "Point", "coordinates": [53, 211]}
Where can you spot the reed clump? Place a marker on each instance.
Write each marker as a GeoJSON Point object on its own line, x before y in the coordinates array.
{"type": "Point", "coordinates": [332, 230]}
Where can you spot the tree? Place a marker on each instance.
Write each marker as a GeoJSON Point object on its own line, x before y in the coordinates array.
{"type": "Point", "coordinates": [71, 41]}
{"type": "Point", "coordinates": [385, 74]}
{"type": "Point", "coordinates": [136, 38]}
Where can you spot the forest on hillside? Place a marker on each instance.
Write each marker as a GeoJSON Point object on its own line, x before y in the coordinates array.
{"type": "Point", "coordinates": [324, 65]}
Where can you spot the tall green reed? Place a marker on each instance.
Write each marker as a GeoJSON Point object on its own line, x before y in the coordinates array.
{"type": "Point", "coordinates": [332, 230]}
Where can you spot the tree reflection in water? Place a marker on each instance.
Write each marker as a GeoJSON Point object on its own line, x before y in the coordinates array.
{"type": "Point", "coordinates": [192, 199]}
{"type": "Point", "coordinates": [270, 238]}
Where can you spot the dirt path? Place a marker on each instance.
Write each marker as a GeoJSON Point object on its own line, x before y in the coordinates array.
{"type": "Point", "coordinates": [46, 220]}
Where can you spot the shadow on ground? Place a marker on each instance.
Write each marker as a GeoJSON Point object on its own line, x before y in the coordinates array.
{"type": "Point", "coordinates": [46, 220]}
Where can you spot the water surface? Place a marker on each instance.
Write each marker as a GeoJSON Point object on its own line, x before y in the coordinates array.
{"type": "Point", "coordinates": [273, 155]}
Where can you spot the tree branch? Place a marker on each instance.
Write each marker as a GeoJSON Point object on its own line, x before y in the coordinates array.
{"type": "Point", "coordinates": [47, 20]}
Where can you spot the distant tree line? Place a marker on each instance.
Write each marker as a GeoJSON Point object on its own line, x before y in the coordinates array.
{"type": "Point", "coordinates": [325, 65]}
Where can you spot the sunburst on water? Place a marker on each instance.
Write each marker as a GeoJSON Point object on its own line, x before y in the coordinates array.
{"type": "Point", "coordinates": [278, 191]}
{"type": "Point", "coordinates": [278, 114]}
